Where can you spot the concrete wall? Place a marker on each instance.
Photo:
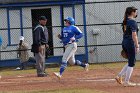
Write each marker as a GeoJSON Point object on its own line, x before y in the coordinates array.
{"type": "Point", "coordinates": [104, 13]}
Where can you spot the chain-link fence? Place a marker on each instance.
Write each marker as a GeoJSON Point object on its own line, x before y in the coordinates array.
{"type": "Point", "coordinates": [100, 22]}
{"type": "Point", "coordinates": [104, 21]}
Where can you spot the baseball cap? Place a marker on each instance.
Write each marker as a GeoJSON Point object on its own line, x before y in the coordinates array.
{"type": "Point", "coordinates": [42, 18]}
{"type": "Point", "coordinates": [21, 38]}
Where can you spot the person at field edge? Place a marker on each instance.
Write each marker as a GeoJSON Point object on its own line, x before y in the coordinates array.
{"type": "Point", "coordinates": [39, 46]}
{"type": "Point", "coordinates": [129, 44]}
{"type": "Point", "coordinates": [69, 36]}
{"type": "Point", "coordinates": [23, 55]}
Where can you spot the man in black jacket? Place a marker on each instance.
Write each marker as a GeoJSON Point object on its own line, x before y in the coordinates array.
{"type": "Point", "coordinates": [39, 46]}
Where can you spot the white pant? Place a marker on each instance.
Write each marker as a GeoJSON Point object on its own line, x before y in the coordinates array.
{"type": "Point", "coordinates": [69, 54]}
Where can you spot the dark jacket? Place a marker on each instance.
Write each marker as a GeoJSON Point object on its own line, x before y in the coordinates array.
{"type": "Point", "coordinates": [38, 38]}
{"type": "Point", "coordinates": [46, 33]}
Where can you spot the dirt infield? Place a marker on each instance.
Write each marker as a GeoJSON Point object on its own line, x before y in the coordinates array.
{"type": "Point", "coordinates": [99, 79]}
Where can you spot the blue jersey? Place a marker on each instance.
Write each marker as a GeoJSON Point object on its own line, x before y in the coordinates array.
{"type": "Point", "coordinates": [131, 26]}
{"type": "Point", "coordinates": [70, 32]}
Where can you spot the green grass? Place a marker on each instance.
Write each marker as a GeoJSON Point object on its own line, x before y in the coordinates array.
{"type": "Point", "coordinates": [12, 72]}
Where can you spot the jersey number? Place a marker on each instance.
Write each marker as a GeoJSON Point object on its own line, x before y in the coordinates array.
{"type": "Point", "coordinates": [65, 34]}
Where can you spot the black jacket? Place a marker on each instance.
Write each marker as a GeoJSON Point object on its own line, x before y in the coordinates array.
{"type": "Point", "coordinates": [38, 38]}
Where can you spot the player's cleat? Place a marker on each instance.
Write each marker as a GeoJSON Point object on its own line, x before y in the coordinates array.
{"type": "Point", "coordinates": [57, 74]}
{"type": "Point", "coordinates": [138, 84]}
{"type": "Point", "coordinates": [87, 67]}
{"type": "Point", "coordinates": [128, 84]}
{"type": "Point", "coordinates": [42, 75]}
{"type": "Point", "coordinates": [119, 80]}
{"type": "Point", "coordinates": [18, 68]}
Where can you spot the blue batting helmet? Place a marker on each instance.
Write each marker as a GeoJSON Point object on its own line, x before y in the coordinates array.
{"type": "Point", "coordinates": [71, 20]}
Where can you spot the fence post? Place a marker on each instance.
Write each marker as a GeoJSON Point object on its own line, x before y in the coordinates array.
{"type": "Point", "coordinates": [8, 25]}
{"type": "Point", "coordinates": [73, 10]}
{"type": "Point", "coordinates": [85, 33]}
{"type": "Point", "coordinates": [21, 22]}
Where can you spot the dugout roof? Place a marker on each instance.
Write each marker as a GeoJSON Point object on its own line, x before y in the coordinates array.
{"type": "Point", "coordinates": [27, 3]}
{"type": "Point", "coordinates": [23, 1]}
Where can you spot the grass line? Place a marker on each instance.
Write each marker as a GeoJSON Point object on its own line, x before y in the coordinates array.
{"type": "Point", "coordinates": [12, 72]}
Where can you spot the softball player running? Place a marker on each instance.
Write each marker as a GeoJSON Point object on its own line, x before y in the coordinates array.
{"type": "Point", "coordinates": [69, 35]}
{"type": "Point", "coordinates": [129, 44]}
